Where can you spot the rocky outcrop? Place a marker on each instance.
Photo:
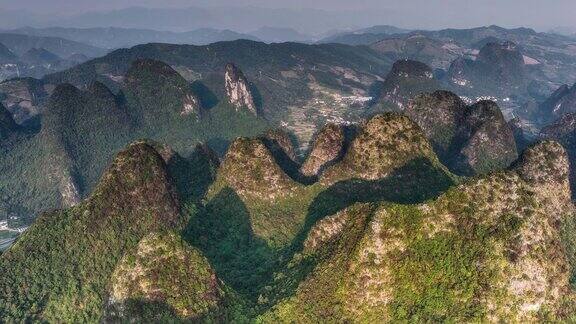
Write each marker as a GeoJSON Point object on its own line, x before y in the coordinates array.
{"type": "Point", "coordinates": [468, 139]}
{"type": "Point", "coordinates": [238, 89]}
{"type": "Point", "coordinates": [191, 105]}
{"type": "Point", "coordinates": [249, 168]}
{"type": "Point", "coordinates": [328, 146]}
{"type": "Point", "coordinates": [164, 270]}
{"type": "Point", "coordinates": [384, 143]}
{"type": "Point", "coordinates": [69, 192]}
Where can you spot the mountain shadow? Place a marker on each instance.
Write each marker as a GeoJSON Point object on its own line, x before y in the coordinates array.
{"type": "Point", "coordinates": [192, 176]}
{"type": "Point", "coordinates": [208, 99]}
{"type": "Point", "coordinates": [257, 97]}
{"type": "Point", "coordinates": [222, 230]}
{"type": "Point", "coordinates": [284, 161]}
{"type": "Point", "coordinates": [148, 311]}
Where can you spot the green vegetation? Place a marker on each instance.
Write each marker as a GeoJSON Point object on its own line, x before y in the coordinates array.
{"type": "Point", "coordinates": [407, 246]}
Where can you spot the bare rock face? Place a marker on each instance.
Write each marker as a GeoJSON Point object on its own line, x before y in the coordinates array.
{"type": "Point", "coordinates": [238, 89]}
{"type": "Point", "coordinates": [191, 105]}
{"type": "Point", "coordinates": [69, 192]}
{"type": "Point", "coordinates": [328, 147]}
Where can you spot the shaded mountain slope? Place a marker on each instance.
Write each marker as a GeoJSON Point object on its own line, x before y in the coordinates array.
{"type": "Point", "coordinates": [468, 139]}
{"type": "Point", "coordinates": [561, 102]}
{"type": "Point", "coordinates": [406, 80]}
{"type": "Point", "coordinates": [7, 124]}
{"type": "Point", "coordinates": [564, 131]}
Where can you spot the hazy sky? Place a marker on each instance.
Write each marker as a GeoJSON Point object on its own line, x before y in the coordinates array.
{"type": "Point", "coordinates": [409, 13]}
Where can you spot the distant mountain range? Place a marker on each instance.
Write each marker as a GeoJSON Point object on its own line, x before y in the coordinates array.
{"type": "Point", "coordinates": [35, 56]}
{"type": "Point", "coordinates": [364, 36]}
{"type": "Point", "coordinates": [113, 38]}
{"type": "Point", "coordinates": [280, 35]}
{"type": "Point", "coordinates": [20, 43]}
{"type": "Point", "coordinates": [239, 18]}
